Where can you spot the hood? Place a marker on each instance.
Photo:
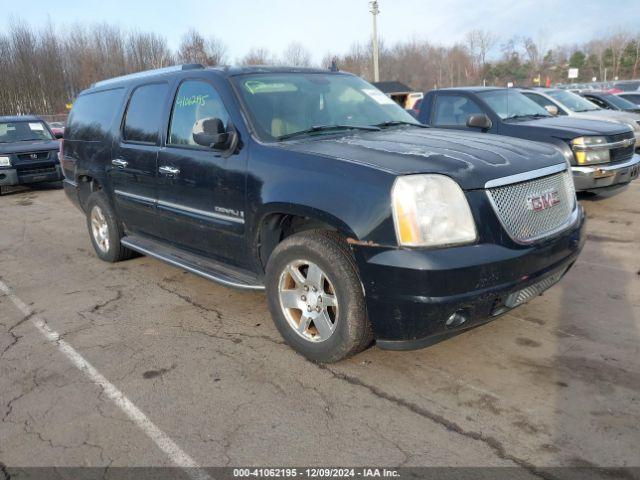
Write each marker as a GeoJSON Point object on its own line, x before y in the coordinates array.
{"type": "Point", "coordinates": [27, 147]}
{"type": "Point", "coordinates": [612, 116]}
{"type": "Point", "coordinates": [472, 159]}
{"type": "Point", "coordinates": [566, 127]}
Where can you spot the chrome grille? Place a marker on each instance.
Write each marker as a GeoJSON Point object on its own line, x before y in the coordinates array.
{"type": "Point", "coordinates": [522, 223]}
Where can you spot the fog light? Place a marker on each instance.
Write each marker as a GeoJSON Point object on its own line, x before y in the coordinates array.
{"type": "Point", "coordinates": [456, 319]}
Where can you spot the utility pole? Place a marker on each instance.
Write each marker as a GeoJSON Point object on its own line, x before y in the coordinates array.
{"type": "Point", "coordinates": [374, 11]}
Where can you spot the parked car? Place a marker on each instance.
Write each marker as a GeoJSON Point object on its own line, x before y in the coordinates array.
{"type": "Point", "coordinates": [562, 102]}
{"type": "Point", "coordinates": [57, 128]}
{"type": "Point", "coordinates": [360, 222]}
{"type": "Point", "coordinates": [28, 152]}
{"type": "Point", "coordinates": [609, 101]}
{"type": "Point", "coordinates": [601, 153]}
{"type": "Point", "coordinates": [627, 85]}
{"type": "Point", "coordinates": [631, 96]}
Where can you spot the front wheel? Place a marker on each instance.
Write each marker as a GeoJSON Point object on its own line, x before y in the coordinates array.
{"type": "Point", "coordinates": [315, 296]}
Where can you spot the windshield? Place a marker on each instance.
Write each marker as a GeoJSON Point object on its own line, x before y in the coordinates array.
{"type": "Point", "coordinates": [620, 102]}
{"type": "Point", "coordinates": [23, 131]}
{"type": "Point", "coordinates": [573, 101]}
{"type": "Point", "coordinates": [511, 104]}
{"type": "Point", "coordinates": [282, 104]}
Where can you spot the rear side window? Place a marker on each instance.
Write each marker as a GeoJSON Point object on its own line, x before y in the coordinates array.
{"type": "Point", "coordinates": [142, 121]}
{"type": "Point", "coordinates": [92, 115]}
{"type": "Point", "coordinates": [195, 101]}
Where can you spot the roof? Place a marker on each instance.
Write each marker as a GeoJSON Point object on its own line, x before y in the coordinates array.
{"type": "Point", "coordinates": [476, 89]}
{"type": "Point", "coordinates": [20, 118]}
{"type": "Point", "coordinates": [225, 70]}
{"type": "Point", "coordinates": [392, 87]}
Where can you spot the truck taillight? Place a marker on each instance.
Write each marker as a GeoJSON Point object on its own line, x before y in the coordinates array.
{"type": "Point", "coordinates": [61, 151]}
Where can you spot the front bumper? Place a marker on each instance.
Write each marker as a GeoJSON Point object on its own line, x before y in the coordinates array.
{"type": "Point", "coordinates": [11, 176]}
{"type": "Point", "coordinates": [605, 175]}
{"type": "Point", "coordinates": [412, 293]}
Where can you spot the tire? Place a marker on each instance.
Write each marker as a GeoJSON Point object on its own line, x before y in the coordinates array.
{"type": "Point", "coordinates": [348, 330]}
{"type": "Point", "coordinates": [107, 243]}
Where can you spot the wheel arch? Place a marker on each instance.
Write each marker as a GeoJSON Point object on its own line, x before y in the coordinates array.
{"type": "Point", "coordinates": [277, 221]}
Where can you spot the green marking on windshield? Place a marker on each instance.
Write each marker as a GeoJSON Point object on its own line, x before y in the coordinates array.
{"type": "Point", "coordinates": [257, 86]}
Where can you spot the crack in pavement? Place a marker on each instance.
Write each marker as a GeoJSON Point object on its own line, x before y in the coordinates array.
{"type": "Point", "coordinates": [451, 426]}
{"type": "Point", "coordinates": [16, 338]}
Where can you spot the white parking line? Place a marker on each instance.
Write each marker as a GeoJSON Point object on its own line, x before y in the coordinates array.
{"type": "Point", "coordinates": [164, 443]}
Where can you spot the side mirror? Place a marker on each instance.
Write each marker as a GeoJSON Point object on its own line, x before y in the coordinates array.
{"type": "Point", "coordinates": [210, 133]}
{"type": "Point", "coordinates": [552, 109]}
{"type": "Point", "coordinates": [479, 120]}
{"type": "Point", "coordinates": [58, 135]}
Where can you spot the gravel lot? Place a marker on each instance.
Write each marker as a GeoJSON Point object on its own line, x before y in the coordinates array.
{"type": "Point", "coordinates": [557, 382]}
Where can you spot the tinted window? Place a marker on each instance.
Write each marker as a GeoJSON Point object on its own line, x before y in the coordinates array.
{"type": "Point", "coordinates": [620, 102]}
{"type": "Point", "coordinates": [92, 115]}
{"type": "Point", "coordinates": [142, 122]}
{"type": "Point", "coordinates": [196, 100]}
{"type": "Point", "coordinates": [572, 101]}
{"type": "Point", "coordinates": [23, 131]}
{"type": "Point", "coordinates": [633, 98]}
{"type": "Point", "coordinates": [453, 110]}
{"type": "Point", "coordinates": [597, 101]}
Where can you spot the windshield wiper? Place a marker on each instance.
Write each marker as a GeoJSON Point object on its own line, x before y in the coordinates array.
{"type": "Point", "coordinates": [392, 123]}
{"type": "Point", "coordinates": [531, 115]}
{"type": "Point", "coordinates": [323, 128]}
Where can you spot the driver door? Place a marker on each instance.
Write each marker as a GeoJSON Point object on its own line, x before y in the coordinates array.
{"type": "Point", "coordinates": [200, 193]}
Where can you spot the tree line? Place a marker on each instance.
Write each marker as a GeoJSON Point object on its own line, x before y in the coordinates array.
{"type": "Point", "coordinates": [44, 69]}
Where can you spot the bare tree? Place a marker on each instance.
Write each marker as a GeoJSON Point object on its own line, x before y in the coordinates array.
{"type": "Point", "coordinates": [194, 48]}
{"type": "Point", "coordinates": [480, 43]}
{"type": "Point", "coordinates": [296, 55]}
{"type": "Point", "coordinates": [258, 56]}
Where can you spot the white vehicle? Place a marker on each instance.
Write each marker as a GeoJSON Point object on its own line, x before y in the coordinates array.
{"type": "Point", "coordinates": [564, 102]}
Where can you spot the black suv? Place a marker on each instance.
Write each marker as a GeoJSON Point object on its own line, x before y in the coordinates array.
{"type": "Point", "coordinates": [28, 152]}
{"type": "Point", "coordinates": [361, 223]}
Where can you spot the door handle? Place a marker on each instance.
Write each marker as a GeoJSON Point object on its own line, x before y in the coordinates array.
{"type": "Point", "coordinates": [169, 170]}
{"type": "Point", "coordinates": [118, 162]}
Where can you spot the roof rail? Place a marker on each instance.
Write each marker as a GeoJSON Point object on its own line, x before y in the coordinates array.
{"type": "Point", "coordinates": [146, 73]}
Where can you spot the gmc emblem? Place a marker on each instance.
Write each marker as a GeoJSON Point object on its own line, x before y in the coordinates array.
{"type": "Point", "coordinates": [34, 156]}
{"type": "Point", "coordinates": [543, 200]}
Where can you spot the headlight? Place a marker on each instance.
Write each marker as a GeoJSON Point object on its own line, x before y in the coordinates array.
{"type": "Point", "coordinates": [431, 210]}
{"type": "Point", "coordinates": [590, 150]}
{"type": "Point", "coordinates": [5, 162]}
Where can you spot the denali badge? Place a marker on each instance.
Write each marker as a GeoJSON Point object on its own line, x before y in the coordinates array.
{"type": "Point", "coordinates": [543, 200]}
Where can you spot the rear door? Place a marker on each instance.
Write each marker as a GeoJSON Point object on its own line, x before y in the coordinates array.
{"type": "Point", "coordinates": [201, 193]}
{"type": "Point", "coordinates": [133, 167]}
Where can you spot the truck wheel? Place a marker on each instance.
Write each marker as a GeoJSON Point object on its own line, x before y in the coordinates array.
{"type": "Point", "coordinates": [315, 296]}
{"type": "Point", "coordinates": [105, 230]}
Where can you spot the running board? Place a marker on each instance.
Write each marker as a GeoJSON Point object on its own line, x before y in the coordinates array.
{"type": "Point", "coordinates": [205, 267]}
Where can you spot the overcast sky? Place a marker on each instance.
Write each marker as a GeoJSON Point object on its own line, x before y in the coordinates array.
{"type": "Point", "coordinates": [334, 25]}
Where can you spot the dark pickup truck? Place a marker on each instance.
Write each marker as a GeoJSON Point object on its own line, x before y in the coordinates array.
{"type": "Point", "coordinates": [601, 153]}
{"type": "Point", "coordinates": [28, 152]}
{"type": "Point", "coordinates": [360, 223]}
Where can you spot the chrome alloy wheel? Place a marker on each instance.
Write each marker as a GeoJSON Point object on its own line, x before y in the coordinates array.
{"type": "Point", "coordinates": [100, 228]}
{"type": "Point", "coordinates": [308, 300]}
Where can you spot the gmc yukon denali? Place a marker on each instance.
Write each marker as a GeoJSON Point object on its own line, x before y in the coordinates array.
{"type": "Point", "coordinates": [362, 224]}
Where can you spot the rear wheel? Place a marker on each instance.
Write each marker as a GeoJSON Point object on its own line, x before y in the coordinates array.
{"type": "Point", "coordinates": [105, 229]}
{"type": "Point", "coordinates": [315, 296]}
